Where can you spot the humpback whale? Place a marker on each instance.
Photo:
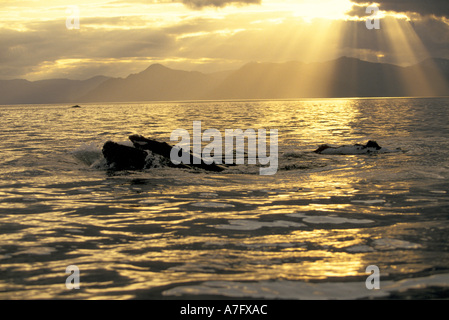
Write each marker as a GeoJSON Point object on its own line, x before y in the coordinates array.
{"type": "Point", "coordinates": [371, 147]}
{"type": "Point", "coordinates": [143, 154]}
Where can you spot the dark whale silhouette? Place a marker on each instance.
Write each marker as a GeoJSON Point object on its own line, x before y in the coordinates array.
{"type": "Point", "coordinates": [369, 148]}
{"type": "Point", "coordinates": [122, 157]}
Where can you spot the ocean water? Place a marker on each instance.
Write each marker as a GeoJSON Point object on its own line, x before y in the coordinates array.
{"type": "Point", "coordinates": [308, 232]}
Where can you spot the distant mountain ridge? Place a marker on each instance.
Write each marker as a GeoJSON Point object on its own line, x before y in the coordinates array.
{"type": "Point", "coordinates": [343, 77]}
{"type": "Point", "coordinates": [46, 91]}
{"type": "Point", "coordinates": [156, 83]}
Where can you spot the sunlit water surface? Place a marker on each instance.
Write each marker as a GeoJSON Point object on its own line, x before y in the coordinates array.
{"type": "Point", "coordinates": [307, 232]}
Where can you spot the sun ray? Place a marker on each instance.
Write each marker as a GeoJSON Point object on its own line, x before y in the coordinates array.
{"type": "Point", "coordinates": [324, 47]}
{"type": "Point", "coordinates": [407, 48]}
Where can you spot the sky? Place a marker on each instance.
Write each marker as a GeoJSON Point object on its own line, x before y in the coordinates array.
{"type": "Point", "coordinates": [81, 39]}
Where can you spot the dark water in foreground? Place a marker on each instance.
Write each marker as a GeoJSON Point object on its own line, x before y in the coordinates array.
{"type": "Point", "coordinates": [308, 232]}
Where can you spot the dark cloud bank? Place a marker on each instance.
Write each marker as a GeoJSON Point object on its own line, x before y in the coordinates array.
{"type": "Point", "coordinates": [197, 4]}
{"type": "Point", "coordinates": [438, 8]}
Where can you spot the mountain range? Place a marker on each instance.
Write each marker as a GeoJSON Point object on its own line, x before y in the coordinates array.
{"type": "Point", "coordinates": [343, 77]}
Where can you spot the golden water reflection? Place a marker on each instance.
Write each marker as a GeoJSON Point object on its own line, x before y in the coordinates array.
{"type": "Point", "coordinates": [318, 218]}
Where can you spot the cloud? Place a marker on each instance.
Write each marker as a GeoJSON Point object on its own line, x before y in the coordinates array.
{"type": "Point", "coordinates": [198, 4]}
{"type": "Point", "coordinates": [23, 53]}
{"type": "Point", "coordinates": [116, 44]}
{"type": "Point", "coordinates": [438, 8]}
